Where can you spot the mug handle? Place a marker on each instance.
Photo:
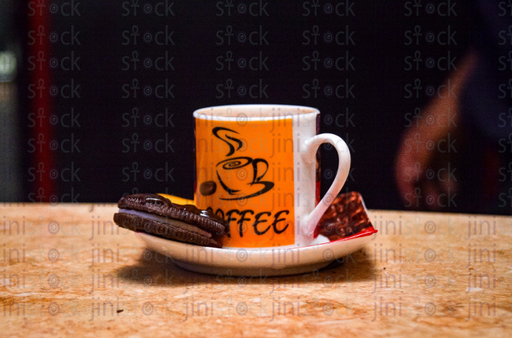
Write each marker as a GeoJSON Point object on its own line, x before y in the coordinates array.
{"type": "Point", "coordinates": [309, 156]}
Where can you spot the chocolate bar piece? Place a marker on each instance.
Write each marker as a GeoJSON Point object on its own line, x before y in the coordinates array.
{"type": "Point", "coordinates": [344, 217]}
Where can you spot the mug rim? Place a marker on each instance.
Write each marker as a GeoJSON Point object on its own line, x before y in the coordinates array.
{"type": "Point", "coordinates": [207, 112]}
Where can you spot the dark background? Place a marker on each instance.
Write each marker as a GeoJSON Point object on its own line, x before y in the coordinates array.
{"type": "Point", "coordinates": [115, 49]}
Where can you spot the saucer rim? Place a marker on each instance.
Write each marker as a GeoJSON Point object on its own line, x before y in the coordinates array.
{"type": "Point", "coordinates": [364, 233]}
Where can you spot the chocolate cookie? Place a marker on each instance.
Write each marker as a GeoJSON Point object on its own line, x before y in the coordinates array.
{"type": "Point", "coordinates": [158, 216]}
{"type": "Point", "coordinates": [346, 216]}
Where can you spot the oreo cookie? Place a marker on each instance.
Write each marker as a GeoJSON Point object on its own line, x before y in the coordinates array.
{"type": "Point", "coordinates": [157, 215]}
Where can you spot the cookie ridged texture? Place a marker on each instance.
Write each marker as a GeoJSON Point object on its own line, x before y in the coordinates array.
{"type": "Point", "coordinates": [162, 206]}
{"type": "Point", "coordinates": [165, 230]}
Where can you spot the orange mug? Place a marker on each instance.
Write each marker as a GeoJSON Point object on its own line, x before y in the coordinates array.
{"type": "Point", "coordinates": [256, 167]}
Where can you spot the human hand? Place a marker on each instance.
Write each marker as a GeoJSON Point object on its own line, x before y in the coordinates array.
{"type": "Point", "coordinates": [425, 169]}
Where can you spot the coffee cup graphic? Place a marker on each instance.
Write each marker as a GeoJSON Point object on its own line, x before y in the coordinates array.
{"type": "Point", "coordinates": [243, 177]}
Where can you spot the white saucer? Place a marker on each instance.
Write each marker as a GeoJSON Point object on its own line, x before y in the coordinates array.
{"type": "Point", "coordinates": [256, 262]}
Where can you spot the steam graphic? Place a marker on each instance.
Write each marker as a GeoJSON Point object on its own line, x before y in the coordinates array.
{"type": "Point", "coordinates": [238, 142]}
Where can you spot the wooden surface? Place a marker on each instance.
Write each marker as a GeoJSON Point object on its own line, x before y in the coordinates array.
{"type": "Point", "coordinates": [422, 274]}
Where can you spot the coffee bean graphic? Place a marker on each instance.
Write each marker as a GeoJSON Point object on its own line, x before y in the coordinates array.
{"type": "Point", "coordinates": [207, 188]}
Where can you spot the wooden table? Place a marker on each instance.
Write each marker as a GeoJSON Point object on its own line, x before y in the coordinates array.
{"type": "Point", "coordinates": [67, 270]}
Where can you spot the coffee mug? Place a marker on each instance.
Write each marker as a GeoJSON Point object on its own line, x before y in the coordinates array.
{"type": "Point", "coordinates": [257, 167]}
